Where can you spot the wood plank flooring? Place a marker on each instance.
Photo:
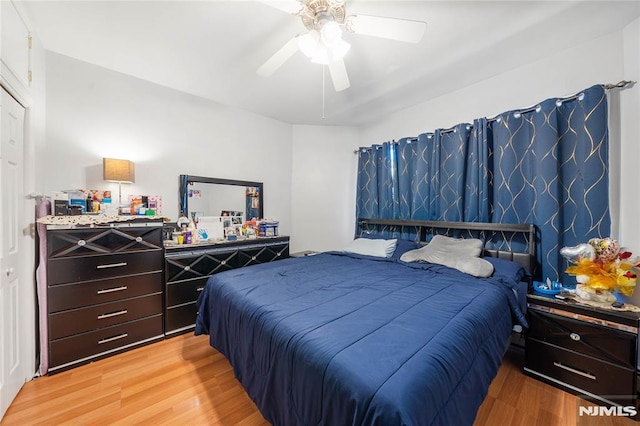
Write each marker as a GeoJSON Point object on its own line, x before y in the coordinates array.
{"type": "Point", "coordinates": [183, 381]}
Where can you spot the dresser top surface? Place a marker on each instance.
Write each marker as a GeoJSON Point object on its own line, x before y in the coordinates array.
{"type": "Point", "coordinates": [570, 305]}
{"type": "Point", "coordinates": [173, 247]}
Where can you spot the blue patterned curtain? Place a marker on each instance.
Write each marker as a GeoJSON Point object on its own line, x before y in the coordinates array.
{"type": "Point", "coordinates": [547, 166]}
{"type": "Point", "coordinates": [377, 183]}
{"type": "Point", "coordinates": [551, 169]}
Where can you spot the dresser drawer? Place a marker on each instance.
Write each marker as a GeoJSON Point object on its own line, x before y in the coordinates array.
{"type": "Point", "coordinates": [185, 291]}
{"type": "Point", "coordinates": [199, 264]}
{"type": "Point", "coordinates": [96, 267]}
{"type": "Point", "coordinates": [76, 321]}
{"type": "Point", "coordinates": [70, 296]}
{"type": "Point", "coordinates": [605, 343]}
{"type": "Point", "coordinates": [180, 317]}
{"type": "Point", "coordinates": [586, 373]}
{"type": "Point", "coordinates": [96, 343]}
{"type": "Point", "coordinates": [267, 253]}
{"type": "Point", "coordinates": [108, 239]}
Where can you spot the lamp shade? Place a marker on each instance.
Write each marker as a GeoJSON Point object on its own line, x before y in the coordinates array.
{"type": "Point", "coordinates": [118, 170]}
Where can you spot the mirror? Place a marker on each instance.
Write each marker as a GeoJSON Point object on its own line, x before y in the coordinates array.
{"type": "Point", "coordinates": [203, 196]}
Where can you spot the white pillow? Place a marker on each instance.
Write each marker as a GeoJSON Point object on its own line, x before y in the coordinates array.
{"type": "Point", "coordinates": [476, 266]}
{"type": "Point", "coordinates": [369, 247]}
{"type": "Point", "coordinates": [442, 250]}
{"type": "Point", "coordinates": [460, 254]}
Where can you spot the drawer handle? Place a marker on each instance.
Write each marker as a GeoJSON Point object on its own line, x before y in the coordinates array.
{"type": "Point", "coordinates": [138, 239]}
{"type": "Point", "coordinates": [111, 265]}
{"type": "Point", "coordinates": [253, 258]}
{"type": "Point", "coordinates": [111, 290]}
{"type": "Point", "coordinates": [199, 289]}
{"type": "Point", "coordinates": [112, 314]}
{"type": "Point", "coordinates": [111, 339]}
{"type": "Point", "coordinates": [573, 370]}
{"type": "Point", "coordinates": [575, 336]}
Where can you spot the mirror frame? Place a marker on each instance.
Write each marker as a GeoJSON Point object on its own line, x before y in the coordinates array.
{"type": "Point", "coordinates": [184, 190]}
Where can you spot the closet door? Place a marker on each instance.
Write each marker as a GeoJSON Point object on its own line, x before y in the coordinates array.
{"type": "Point", "coordinates": [11, 215]}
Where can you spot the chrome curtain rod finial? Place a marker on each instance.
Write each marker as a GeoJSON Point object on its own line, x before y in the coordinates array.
{"type": "Point", "coordinates": [624, 84]}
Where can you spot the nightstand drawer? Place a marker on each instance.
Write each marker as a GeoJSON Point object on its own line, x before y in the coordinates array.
{"type": "Point", "coordinates": [96, 267]}
{"type": "Point", "coordinates": [77, 321]}
{"type": "Point", "coordinates": [605, 343]}
{"type": "Point", "coordinates": [70, 296]}
{"type": "Point", "coordinates": [87, 345]}
{"type": "Point", "coordinates": [583, 372]}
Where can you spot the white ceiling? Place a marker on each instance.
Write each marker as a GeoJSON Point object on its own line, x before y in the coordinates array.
{"type": "Point", "coordinates": [213, 48]}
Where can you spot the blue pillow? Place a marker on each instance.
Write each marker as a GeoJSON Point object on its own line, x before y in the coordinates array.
{"type": "Point", "coordinates": [506, 268]}
{"type": "Point", "coordinates": [402, 246]}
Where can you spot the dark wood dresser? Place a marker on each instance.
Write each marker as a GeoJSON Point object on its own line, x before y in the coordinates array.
{"type": "Point", "coordinates": [587, 351]}
{"type": "Point", "coordinates": [104, 289]}
{"type": "Point", "coordinates": [187, 268]}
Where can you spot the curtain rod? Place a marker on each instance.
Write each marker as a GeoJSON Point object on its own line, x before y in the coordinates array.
{"type": "Point", "coordinates": [623, 84]}
{"type": "Point", "coordinates": [620, 85]}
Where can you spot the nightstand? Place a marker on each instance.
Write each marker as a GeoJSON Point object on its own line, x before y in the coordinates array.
{"type": "Point", "coordinates": [587, 351]}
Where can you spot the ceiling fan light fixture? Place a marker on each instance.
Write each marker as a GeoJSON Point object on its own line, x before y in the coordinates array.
{"type": "Point", "coordinates": [325, 55]}
{"type": "Point", "coordinates": [321, 55]}
{"type": "Point", "coordinates": [322, 50]}
{"type": "Point", "coordinates": [308, 43]}
{"type": "Point", "coordinates": [331, 33]}
{"type": "Point", "coordinates": [338, 50]}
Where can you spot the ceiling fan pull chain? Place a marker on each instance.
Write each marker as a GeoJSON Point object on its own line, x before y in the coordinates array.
{"type": "Point", "coordinates": [324, 67]}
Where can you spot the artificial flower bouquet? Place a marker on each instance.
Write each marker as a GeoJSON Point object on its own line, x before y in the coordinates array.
{"type": "Point", "coordinates": [601, 266]}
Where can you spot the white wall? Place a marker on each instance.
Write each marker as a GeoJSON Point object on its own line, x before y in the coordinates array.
{"type": "Point", "coordinates": [93, 113]}
{"type": "Point", "coordinates": [324, 187]}
{"type": "Point", "coordinates": [562, 73]}
{"type": "Point", "coordinates": [629, 174]}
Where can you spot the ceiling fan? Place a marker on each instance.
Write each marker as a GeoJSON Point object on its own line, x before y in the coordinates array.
{"type": "Point", "coordinates": [323, 43]}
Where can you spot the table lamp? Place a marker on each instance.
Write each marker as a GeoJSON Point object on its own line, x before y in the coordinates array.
{"type": "Point", "coordinates": [121, 171]}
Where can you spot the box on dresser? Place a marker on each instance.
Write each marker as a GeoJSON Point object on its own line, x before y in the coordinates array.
{"type": "Point", "coordinates": [104, 289]}
{"type": "Point", "coordinates": [588, 351]}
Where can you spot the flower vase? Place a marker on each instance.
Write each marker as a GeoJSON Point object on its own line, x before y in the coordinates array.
{"type": "Point", "coordinates": [587, 293]}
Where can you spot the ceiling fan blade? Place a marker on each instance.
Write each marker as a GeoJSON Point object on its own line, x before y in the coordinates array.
{"type": "Point", "coordinates": [288, 6]}
{"type": "Point", "coordinates": [339, 75]}
{"type": "Point", "coordinates": [390, 28]}
{"type": "Point", "coordinates": [279, 58]}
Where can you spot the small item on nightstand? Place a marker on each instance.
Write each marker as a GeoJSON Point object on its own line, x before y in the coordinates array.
{"type": "Point", "coordinates": [617, 304]}
{"type": "Point", "coordinates": [548, 288]}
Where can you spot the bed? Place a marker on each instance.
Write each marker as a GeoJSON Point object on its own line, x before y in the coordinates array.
{"type": "Point", "coordinates": [346, 338]}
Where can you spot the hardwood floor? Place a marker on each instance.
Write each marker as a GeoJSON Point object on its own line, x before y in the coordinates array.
{"type": "Point", "coordinates": [183, 381]}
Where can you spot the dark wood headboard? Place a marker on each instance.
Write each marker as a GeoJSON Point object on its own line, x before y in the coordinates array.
{"type": "Point", "coordinates": [493, 235]}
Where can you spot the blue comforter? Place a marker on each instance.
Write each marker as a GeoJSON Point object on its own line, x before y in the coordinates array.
{"type": "Point", "coordinates": [338, 339]}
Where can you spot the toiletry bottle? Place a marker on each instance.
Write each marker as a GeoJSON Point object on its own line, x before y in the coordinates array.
{"type": "Point", "coordinates": [89, 204]}
{"type": "Point", "coordinates": [191, 227]}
